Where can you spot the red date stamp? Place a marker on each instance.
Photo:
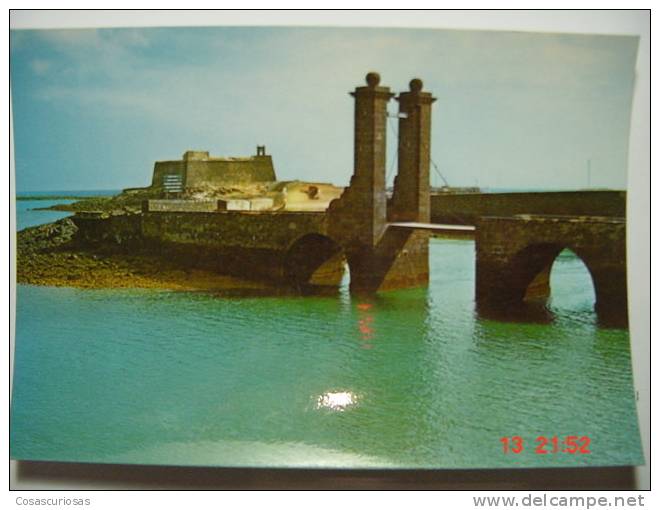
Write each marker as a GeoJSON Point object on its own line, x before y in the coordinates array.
{"type": "Point", "coordinates": [544, 445]}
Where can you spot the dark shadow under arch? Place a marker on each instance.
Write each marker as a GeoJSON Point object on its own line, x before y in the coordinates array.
{"type": "Point", "coordinates": [529, 272]}
{"type": "Point", "coordinates": [314, 261]}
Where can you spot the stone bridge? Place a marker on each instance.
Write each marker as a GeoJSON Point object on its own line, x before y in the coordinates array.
{"type": "Point", "coordinates": [385, 242]}
{"type": "Point", "coordinates": [385, 245]}
{"type": "Point", "coordinates": [515, 256]}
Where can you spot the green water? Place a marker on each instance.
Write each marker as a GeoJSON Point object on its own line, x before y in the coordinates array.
{"type": "Point", "coordinates": [407, 379]}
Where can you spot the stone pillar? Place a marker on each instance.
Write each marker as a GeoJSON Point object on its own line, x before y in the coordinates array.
{"type": "Point", "coordinates": [411, 200]}
{"type": "Point", "coordinates": [609, 276]}
{"type": "Point", "coordinates": [404, 255]}
{"type": "Point", "coordinates": [381, 258]}
{"type": "Point", "coordinates": [368, 198]}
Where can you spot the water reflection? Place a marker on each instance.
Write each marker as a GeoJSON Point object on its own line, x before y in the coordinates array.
{"type": "Point", "coordinates": [523, 312]}
{"type": "Point", "coordinates": [336, 400]}
{"type": "Point", "coordinates": [366, 324]}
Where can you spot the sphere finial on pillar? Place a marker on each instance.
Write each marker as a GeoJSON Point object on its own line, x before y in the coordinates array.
{"type": "Point", "coordinates": [373, 79]}
{"type": "Point", "coordinates": [416, 85]}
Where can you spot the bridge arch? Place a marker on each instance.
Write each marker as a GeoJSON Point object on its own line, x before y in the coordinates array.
{"type": "Point", "coordinates": [528, 273]}
{"type": "Point", "coordinates": [515, 256]}
{"type": "Point", "coordinates": [531, 270]}
{"type": "Point", "coordinates": [314, 260]}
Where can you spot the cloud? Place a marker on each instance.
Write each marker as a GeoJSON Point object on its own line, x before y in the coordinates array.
{"type": "Point", "coordinates": [74, 40]}
{"type": "Point", "coordinates": [66, 39]}
{"type": "Point", "coordinates": [225, 89]}
{"type": "Point", "coordinates": [91, 55]}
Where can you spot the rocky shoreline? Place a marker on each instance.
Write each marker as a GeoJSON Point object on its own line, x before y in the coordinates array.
{"type": "Point", "coordinates": [127, 202]}
{"type": "Point", "coordinates": [52, 255]}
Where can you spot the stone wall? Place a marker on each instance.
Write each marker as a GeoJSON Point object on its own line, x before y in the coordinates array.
{"type": "Point", "coordinates": [465, 208]}
{"type": "Point", "coordinates": [180, 205]}
{"type": "Point", "coordinates": [275, 231]}
{"type": "Point", "coordinates": [104, 229]}
{"type": "Point", "coordinates": [246, 244]}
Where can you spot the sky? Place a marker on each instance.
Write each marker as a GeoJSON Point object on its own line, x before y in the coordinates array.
{"type": "Point", "coordinates": [93, 109]}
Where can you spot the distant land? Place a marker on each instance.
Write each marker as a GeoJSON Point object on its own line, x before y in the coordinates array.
{"type": "Point", "coordinates": [65, 194]}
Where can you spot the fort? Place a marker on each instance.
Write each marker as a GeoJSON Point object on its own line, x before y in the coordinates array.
{"type": "Point", "coordinates": [196, 169]}
{"type": "Point", "coordinates": [382, 239]}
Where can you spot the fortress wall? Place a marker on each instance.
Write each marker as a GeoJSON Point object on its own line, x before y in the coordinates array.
{"type": "Point", "coordinates": [466, 208]}
{"type": "Point", "coordinates": [222, 172]}
{"type": "Point", "coordinates": [162, 168]}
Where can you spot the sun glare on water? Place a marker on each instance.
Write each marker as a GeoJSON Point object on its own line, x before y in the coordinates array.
{"type": "Point", "coordinates": [337, 401]}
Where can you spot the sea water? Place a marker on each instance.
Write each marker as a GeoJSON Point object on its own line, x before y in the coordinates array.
{"type": "Point", "coordinates": [30, 213]}
{"type": "Point", "coordinates": [407, 379]}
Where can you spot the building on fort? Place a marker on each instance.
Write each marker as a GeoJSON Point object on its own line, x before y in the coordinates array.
{"type": "Point", "coordinates": [197, 169]}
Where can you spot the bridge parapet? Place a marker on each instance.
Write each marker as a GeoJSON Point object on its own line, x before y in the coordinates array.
{"type": "Point", "coordinates": [466, 208]}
